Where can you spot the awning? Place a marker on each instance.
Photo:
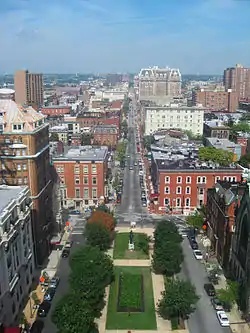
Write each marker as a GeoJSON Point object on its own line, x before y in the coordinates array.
{"type": "Point", "coordinates": [154, 195]}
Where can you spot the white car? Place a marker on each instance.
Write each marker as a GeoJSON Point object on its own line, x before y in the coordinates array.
{"type": "Point", "coordinates": [223, 319]}
{"type": "Point", "coordinates": [198, 255]}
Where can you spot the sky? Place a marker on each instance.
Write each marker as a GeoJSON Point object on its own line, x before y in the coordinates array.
{"type": "Point", "coordinates": [100, 36]}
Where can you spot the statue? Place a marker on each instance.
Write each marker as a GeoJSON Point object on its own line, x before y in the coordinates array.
{"type": "Point", "coordinates": [131, 237]}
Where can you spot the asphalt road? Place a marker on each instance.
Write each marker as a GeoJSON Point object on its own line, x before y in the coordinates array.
{"type": "Point", "coordinates": [204, 319]}
{"type": "Point", "coordinates": [63, 271]}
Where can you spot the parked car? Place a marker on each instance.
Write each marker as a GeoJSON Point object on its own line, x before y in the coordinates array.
{"type": "Point", "coordinates": [54, 282]}
{"type": "Point", "coordinates": [50, 293]}
{"type": "Point", "coordinates": [37, 326]}
{"type": "Point", "coordinates": [144, 202]}
{"type": "Point", "coordinates": [194, 245]}
{"type": "Point", "coordinates": [68, 244]}
{"type": "Point", "coordinates": [131, 167]}
{"type": "Point", "coordinates": [65, 253]}
{"type": "Point", "coordinates": [209, 289]}
{"type": "Point", "coordinates": [74, 212]}
{"type": "Point", "coordinates": [223, 319]}
{"type": "Point", "coordinates": [198, 255]}
{"type": "Point", "coordinates": [217, 305]}
{"type": "Point", "coordinates": [43, 309]}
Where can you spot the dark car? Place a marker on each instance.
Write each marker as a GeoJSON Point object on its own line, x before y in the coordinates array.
{"type": "Point", "coordinates": [54, 282]}
{"type": "Point", "coordinates": [50, 293]}
{"type": "Point", "coordinates": [74, 212]}
{"type": "Point", "coordinates": [209, 289]}
{"type": "Point", "coordinates": [43, 309]}
{"type": "Point", "coordinates": [65, 253]}
{"type": "Point", "coordinates": [194, 245]}
{"type": "Point", "coordinates": [217, 305]}
{"type": "Point", "coordinates": [37, 327]}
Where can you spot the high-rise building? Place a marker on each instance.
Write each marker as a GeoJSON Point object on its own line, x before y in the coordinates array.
{"type": "Point", "coordinates": [238, 80]}
{"type": "Point", "coordinates": [28, 88]}
{"type": "Point", "coordinates": [159, 83]}
{"type": "Point", "coordinates": [24, 160]}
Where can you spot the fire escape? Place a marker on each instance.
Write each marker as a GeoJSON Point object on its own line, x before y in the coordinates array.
{"type": "Point", "coordinates": [8, 168]}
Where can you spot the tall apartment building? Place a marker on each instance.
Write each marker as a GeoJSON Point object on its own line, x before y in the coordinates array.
{"type": "Point", "coordinates": [238, 80]}
{"type": "Point", "coordinates": [159, 83]}
{"type": "Point", "coordinates": [24, 160]}
{"type": "Point", "coordinates": [16, 251]}
{"type": "Point", "coordinates": [216, 100]}
{"type": "Point", "coordinates": [28, 88]}
{"type": "Point", "coordinates": [174, 117]}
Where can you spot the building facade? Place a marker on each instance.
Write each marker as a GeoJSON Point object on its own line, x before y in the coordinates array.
{"type": "Point", "coordinates": [16, 251]}
{"type": "Point", "coordinates": [222, 204]}
{"type": "Point", "coordinates": [238, 80]}
{"type": "Point", "coordinates": [28, 88]}
{"type": "Point", "coordinates": [214, 129]}
{"type": "Point", "coordinates": [216, 100]}
{"type": "Point", "coordinates": [56, 110]}
{"type": "Point", "coordinates": [105, 135]}
{"type": "Point", "coordinates": [174, 117]}
{"type": "Point", "coordinates": [24, 158]}
{"type": "Point", "coordinates": [83, 171]}
{"type": "Point", "coordinates": [61, 131]}
{"type": "Point", "coordinates": [159, 83]}
{"type": "Point", "coordinates": [182, 185]}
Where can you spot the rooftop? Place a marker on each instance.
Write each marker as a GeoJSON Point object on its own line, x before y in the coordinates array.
{"type": "Point", "coordinates": [83, 153]}
{"type": "Point", "coordinates": [103, 129]}
{"type": "Point", "coordinates": [6, 91]}
{"type": "Point", "coordinates": [222, 143]}
{"type": "Point", "coordinates": [56, 106]}
{"type": "Point", "coordinates": [59, 128]}
{"type": "Point", "coordinates": [8, 194]}
{"type": "Point", "coordinates": [174, 107]}
{"type": "Point", "coordinates": [215, 124]}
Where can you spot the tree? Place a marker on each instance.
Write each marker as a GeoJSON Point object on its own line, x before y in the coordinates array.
{"type": "Point", "coordinates": [104, 218]}
{"type": "Point", "coordinates": [192, 136]}
{"type": "Point", "coordinates": [86, 139]}
{"type": "Point", "coordinates": [196, 220]}
{"type": "Point", "coordinates": [124, 127]}
{"type": "Point", "coordinates": [73, 315]}
{"type": "Point", "coordinates": [178, 300]}
{"type": "Point", "coordinates": [143, 243]}
{"type": "Point", "coordinates": [229, 295]}
{"type": "Point", "coordinates": [148, 140]}
{"type": "Point", "coordinates": [121, 151]}
{"type": "Point", "coordinates": [54, 137]}
{"type": "Point", "coordinates": [245, 160]}
{"type": "Point", "coordinates": [223, 157]}
{"type": "Point", "coordinates": [97, 234]}
{"type": "Point", "coordinates": [166, 230]}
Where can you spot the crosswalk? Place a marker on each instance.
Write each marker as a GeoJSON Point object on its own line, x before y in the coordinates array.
{"type": "Point", "coordinates": [132, 217]}
{"type": "Point", "coordinates": [79, 227]}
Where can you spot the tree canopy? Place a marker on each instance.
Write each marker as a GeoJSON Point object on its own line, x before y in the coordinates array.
{"type": "Point", "coordinates": [54, 137]}
{"type": "Point", "coordinates": [178, 300]}
{"type": "Point", "coordinates": [168, 255]}
{"type": "Point", "coordinates": [97, 234]}
{"type": "Point", "coordinates": [121, 151]}
{"type": "Point", "coordinates": [223, 157]}
{"type": "Point", "coordinates": [245, 160]}
{"type": "Point", "coordinates": [196, 220]}
{"type": "Point", "coordinates": [86, 139]}
{"type": "Point", "coordinates": [148, 140]}
{"type": "Point", "coordinates": [104, 218]}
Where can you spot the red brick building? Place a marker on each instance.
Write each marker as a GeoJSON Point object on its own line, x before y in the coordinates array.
{"type": "Point", "coordinates": [89, 121]}
{"type": "Point", "coordinates": [106, 135]}
{"type": "Point", "coordinates": [56, 110]}
{"type": "Point", "coordinates": [182, 186]}
{"type": "Point", "coordinates": [112, 121]}
{"type": "Point", "coordinates": [83, 172]}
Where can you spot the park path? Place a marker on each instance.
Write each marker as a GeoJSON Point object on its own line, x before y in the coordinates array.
{"type": "Point", "coordinates": [163, 326]}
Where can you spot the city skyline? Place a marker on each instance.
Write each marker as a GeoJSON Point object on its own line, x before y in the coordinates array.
{"type": "Point", "coordinates": [123, 36]}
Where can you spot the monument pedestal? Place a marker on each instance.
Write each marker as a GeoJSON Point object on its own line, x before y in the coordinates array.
{"type": "Point", "coordinates": [131, 246]}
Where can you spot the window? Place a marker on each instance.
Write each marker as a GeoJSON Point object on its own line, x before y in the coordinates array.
{"type": "Point", "coordinates": [23, 152]}
{"type": "Point", "coordinates": [188, 190]}
{"type": "Point", "coordinates": [179, 180]}
{"type": "Point", "coordinates": [85, 180]}
{"type": "Point", "coordinates": [198, 180]}
{"type": "Point", "coordinates": [217, 179]}
{"type": "Point", "coordinates": [77, 181]}
{"type": "Point", "coordinates": [93, 168]}
{"type": "Point", "coordinates": [94, 181]}
{"type": "Point", "coordinates": [233, 179]}
{"type": "Point", "coordinates": [204, 180]}
{"type": "Point", "coordinates": [86, 193]}
{"type": "Point", "coordinates": [167, 180]}
{"type": "Point", "coordinates": [62, 180]}
{"type": "Point", "coordinates": [178, 202]}
{"type": "Point", "coordinates": [60, 169]}
{"type": "Point", "coordinates": [167, 190]}
{"type": "Point", "coordinates": [178, 190]}
{"type": "Point", "coordinates": [86, 169]}
{"type": "Point", "coordinates": [24, 166]}
{"type": "Point", "coordinates": [77, 192]}
{"type": "Point", "coordinates": [25, 180]}
{"type": "Point", "coordinates": [166, 201]}
{"type": "Point", "coordinates": [201, 191]}
{"type": "Point", "coordinates": [19, 167]}
{"type": "Point", "coordinates": [187, 202]}
{"type": "Point", "coordinates": [77, 169]}
{"type": "Point", "coordinates": [94, 193]}
{"type": "Point", "coordinates": [188, 180]}
{"type": "Point", "coordinates": [19, 181]}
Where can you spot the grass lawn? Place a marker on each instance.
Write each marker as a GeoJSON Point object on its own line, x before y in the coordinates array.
{"type": "Point", "coordinates": [131, 298]}
{"type": "Point", "coordinates": [121, 247]}
{"type": "Point", "coordinates": [134, 320]}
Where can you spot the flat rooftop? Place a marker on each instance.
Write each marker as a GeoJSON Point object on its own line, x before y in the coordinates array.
{"type": "Point", "coordinates": [193, 165]}
{"type": "Point", "coordinates": [222, 143]}
{"type": "Point", "coordinates": [9, 193]}
{"type": "Point", "coordinates": [83, 153]}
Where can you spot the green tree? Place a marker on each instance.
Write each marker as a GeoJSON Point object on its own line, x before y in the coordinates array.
{"type": "Point", "coordinates": [178, 300]}
{"type": "Point", "coordinates": [73, 314]}
{"type": "Point", "coordinates": [116, 182]}
{"type": "Point", "coordinates": [241, 127]}
{"type": "Point", "coordinates": [148, 140]}
{"type": "Point", "coordinates": [121, 151]}
{"type": "Point", "coordinates": [54, 137]}
{"type": "Point", "coordinates": [124, 127]}
{"type": "Point", "coordinates": [166, 231]}
{"type": "Point", "coordinates": [143, 243]}
{"type": "Point", "coordinates": [192, 136]}
{"type": "Point", "coordinates": [196, 220]}
{"type": "Point", "coordinates": [229, 295]}
{"type": "Point", "coordinates": [86, 139]}
{"type": "Point", "coordinates": [98, 235]}
{"type": "Point", "coordinates": [223, 157]}
{"type": "Point", "coordinates": [245, 160]}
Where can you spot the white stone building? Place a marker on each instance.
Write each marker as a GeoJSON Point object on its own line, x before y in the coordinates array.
{"type": "Point", "coordinates": [16, 251]}
{"type": "Point", "coordinates": [174, 117]}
